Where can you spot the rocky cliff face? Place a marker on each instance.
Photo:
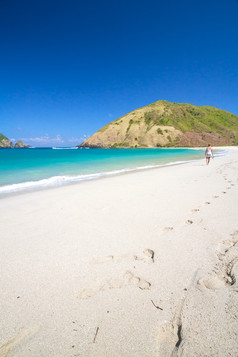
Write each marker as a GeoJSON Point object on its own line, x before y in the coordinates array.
{"type": "Point", "coordinates": [20, 145]}
{"type": "Point", "coordinates": [5, 142]}
{"type": "Point", "coordinates": [164, 124]}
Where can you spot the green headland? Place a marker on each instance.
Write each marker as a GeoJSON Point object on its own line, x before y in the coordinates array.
{"type": "Point", "coordinates": [166, 124]}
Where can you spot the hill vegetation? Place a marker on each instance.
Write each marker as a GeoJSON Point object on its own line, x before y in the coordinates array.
{"type": "Point", "coordinates": [165, 124]}
{"type": "Point", "coordinates": [6, 143]}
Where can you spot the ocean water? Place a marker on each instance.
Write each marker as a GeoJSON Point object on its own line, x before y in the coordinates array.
{"type": "Point", "coordinates": [22, 169]}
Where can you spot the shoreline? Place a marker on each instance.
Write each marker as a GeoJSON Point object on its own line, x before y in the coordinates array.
{"type": "Point", "coordinates": [123, 266]}
{"type": "Point", "coordinates": [62, 181]}
{"type": "Point", "coordinates": [59, 181]}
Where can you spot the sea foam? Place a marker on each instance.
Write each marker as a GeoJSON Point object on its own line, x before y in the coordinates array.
{"type": "Point", "coordinates": [67, 179]}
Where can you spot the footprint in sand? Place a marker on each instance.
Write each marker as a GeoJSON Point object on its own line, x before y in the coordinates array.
{"type": "Point", "coordinates": [225, 274]}
{"type": "Point", "coordinates": [188, 222]}
{"type": "Point", "coordinates": [168, 339]}
{"type": "Point", "coordinates": [207, 203]}
{"type": "Point", "coordinates": [215, 196]}
{"type": "Point", "coordinates": [213, 282]}
{"type": "Point", "coordinates": [23, 334]}
{"type": "Point", "coordinates": [228, 188]}
{"type": "Point", "coordinates": [226, 277]}
{"type": "Point", "coordinates": [224, 192]}
{"type": "Point", "coordinates": [166, 229]}
{"type": "Point", "coordinates": [128, 278]}
{"type": "Point", "coordinates": [195, 210]}
{"type": "Point", "coordinates": [149, 253]}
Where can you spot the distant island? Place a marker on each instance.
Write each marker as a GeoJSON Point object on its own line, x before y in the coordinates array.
{"type": "Point", "coordinates": [6, 143]}
{"type": "Point", "coordinates": [166, 124]}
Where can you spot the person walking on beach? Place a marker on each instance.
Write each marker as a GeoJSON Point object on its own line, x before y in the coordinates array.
{"type": "Point", "coordinates": [208, 153]}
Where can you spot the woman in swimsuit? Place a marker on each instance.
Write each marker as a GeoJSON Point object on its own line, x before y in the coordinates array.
{"type": "Point", "coordinates": [208, 153]}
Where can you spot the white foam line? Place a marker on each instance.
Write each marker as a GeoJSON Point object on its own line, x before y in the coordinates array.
{"type": "Point", "coordinates": [62, 180]}
{"type": "Point", "coordinates": [71, 148]}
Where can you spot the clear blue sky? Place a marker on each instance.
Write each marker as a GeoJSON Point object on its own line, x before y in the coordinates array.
{"type": "Point", "coordinates": [68, 67]}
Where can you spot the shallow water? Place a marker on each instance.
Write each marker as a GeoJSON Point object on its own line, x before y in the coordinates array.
{"type": "Point", "coordinates": [43, 167]}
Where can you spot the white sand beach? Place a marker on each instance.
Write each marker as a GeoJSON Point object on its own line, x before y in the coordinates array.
{"type": "Point", "coordinates": [143, 264]}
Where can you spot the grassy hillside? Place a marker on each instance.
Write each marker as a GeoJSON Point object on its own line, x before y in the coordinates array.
{"type": "Point", "coordinates": [5, 142]}
{"type": "Point", "coordinates": [188, 117]}
{"type": "Point", "coordinates": [169, 124]}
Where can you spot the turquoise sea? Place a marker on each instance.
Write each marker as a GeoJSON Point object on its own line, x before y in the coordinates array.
{"type": "Point", "coordinates": [22, 169]}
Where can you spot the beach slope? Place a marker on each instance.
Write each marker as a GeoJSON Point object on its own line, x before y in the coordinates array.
{"type": "Point", "coordinates": [142, 264]}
